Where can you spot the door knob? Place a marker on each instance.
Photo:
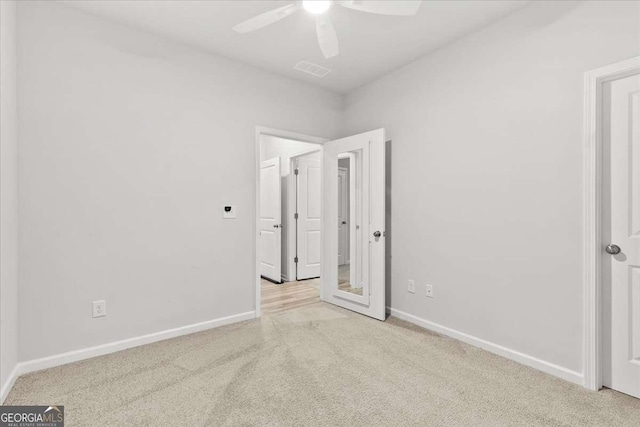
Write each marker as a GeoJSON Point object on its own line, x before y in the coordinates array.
{"type": "Point", "coordinates": [612, 249]}
{"type": "Point", "coordinates": [344, 222]}
{"type": "Point", "coordinates": [377, 234]}
{"type": "Point", "coordinates": [278, 226]}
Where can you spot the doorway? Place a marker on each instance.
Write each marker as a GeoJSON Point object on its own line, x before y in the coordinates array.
{"type": "Point", "coordinates": [301, 251]}
{"type": "Point", "coordinates": [277, 247]}
{"type": "Point", "coordinates": [352, 273]}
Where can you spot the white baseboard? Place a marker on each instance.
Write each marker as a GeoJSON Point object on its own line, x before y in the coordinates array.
{"type": "Point", "coordinates": [100, 350]}
{"type": "Point", "coordinates": [8, 385]}
{"type": "Point", "coordinates": [516, 356]}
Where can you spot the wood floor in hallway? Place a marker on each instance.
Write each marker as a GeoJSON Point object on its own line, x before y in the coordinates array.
{"type": "Point", "coordinates": [276, 298]}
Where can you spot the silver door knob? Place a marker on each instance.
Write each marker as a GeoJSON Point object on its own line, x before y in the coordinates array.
{"type": "Point", "coordinates": [612, 249]}
{"type": "Point", "coordinates": [377, 234]}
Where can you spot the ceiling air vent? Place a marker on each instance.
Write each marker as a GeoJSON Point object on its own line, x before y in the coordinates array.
{"type": "Point", "coordinates": [311, 68]}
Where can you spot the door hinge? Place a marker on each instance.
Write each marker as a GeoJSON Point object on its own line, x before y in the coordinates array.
{"type": "Point", "coordinates": [295, 260]}
{"type": "Point", "coordinates": [295, 216]}
{"type": "Point", "coordinates": [296, 171]}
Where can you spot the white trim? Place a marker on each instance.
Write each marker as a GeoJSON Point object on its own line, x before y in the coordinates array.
{"type": "Point", "coordinates": [592, 238]}
{"type": "Point", "coordinates": [516, 356]}
{"type": "Point", "coordinates": [8, 385]}
{"type": "Point", "coordinates": [100, 350]}
{"type": "Point", "coordinates": [261, 130]}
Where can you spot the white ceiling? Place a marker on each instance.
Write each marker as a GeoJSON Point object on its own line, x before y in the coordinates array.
{"type": "Point", "coordinates": [370, 45]}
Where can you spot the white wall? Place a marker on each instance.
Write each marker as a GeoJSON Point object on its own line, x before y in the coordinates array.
{"type": "Point", "coordinates": [486, 177]}
{"type": "Point", "coordinates": [271, 147]}
{"type": "Point", "coordinates": [8, 196]}
{"type": "Point", "coordinates": [130, 146]}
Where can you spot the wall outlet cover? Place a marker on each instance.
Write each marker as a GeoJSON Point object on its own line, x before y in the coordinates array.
{"type": "Point", "coordinates": [99, 308]}
{"type": "Point", "coordinates": [429, 289]}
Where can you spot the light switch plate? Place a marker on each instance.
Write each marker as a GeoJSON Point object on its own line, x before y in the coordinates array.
{"type": "Point", "coordinates": [229, 212]}
{"type": "Point", "coordinates": [412, 286]}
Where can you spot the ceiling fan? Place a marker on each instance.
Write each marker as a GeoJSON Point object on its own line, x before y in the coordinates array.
{"type": "Point", "coordinates": [327, 37]}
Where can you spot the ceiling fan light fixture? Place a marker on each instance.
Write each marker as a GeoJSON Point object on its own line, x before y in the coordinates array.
{"type": "Point", "coordinates": [316, 7]}
{"type": "Point", "coordinates": [326, 33]}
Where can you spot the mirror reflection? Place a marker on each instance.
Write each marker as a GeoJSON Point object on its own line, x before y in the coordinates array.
{"type": "Point", "coordinates": [349, 278]}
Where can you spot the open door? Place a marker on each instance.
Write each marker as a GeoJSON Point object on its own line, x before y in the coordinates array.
{"type": "Point", "coordinates": [360, 284]}
{"type": "Point", "coordinates": [621, 265]}
{"type": "Point", "coordinates": [270, 220]}
{"type": "Point", "coordinates": [309, 198]}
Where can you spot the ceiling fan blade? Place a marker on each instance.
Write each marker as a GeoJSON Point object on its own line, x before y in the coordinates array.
{"type": "Point", "coordinates": [384, 7]}
{"type": "Point", "coordinates": [266, 18]}
{"type": "Point", "coordinates": [327, 37]}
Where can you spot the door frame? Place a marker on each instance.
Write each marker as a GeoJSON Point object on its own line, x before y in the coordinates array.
{"type": "Point", "coordinates": [262, 130]}
{"type": "Point", "coordinates": [593, 208]}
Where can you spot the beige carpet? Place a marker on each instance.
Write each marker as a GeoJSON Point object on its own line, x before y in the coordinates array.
{"type": "Point", "coordinates": [316, 365]}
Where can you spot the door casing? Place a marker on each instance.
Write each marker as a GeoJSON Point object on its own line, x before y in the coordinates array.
{"type": "Point", "coordinates": [593, 214]}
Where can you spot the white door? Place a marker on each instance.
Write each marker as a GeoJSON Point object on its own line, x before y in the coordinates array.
{"type": "Point", "coordinates": [366, 152]}
{"type": "Point", "coordinates": [309, 201]}
{"type": "Point", "coordinates": [343, 225]}
{"type": "Point", "coordinates": [622, 300]}
{"type": "Point", "coordinates": [270, 220]}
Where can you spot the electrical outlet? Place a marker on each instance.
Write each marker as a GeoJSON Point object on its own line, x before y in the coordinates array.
{"type": "Point", "coordinates": [430, 291]}
{"type": "Point", "coordinates": [412, 286]}
{"type": "Point", "coordinates": [99, 308]}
